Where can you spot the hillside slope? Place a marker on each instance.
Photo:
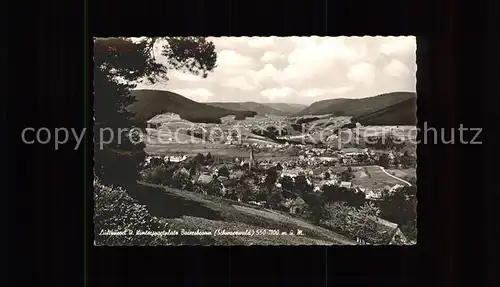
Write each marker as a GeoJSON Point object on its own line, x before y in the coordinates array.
{"type": "Point", "coordinates": [194, 211]}
{"type": "Point", "coordinates": [315, 107]}
{"type": "Point", "coordinates": [357, 107]}
{"type": "Point", "coordinates": [260, 109]}
{"type": "Point", "coordinates": [153, 102]}
{"type": "Point", "coordinates": [402, 114]}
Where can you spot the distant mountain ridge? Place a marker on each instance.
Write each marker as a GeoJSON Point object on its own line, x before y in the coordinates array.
{"type": "Point", "coordinates": [356, 107]}
{"type": "Point", "coordinates": [403, 113]}
{"type": "Point", "coordinates": [397, 108]}
{"type": "Point", "coordinates": [150, 103]}
{"type": "Point", "coordinates": [248, 106]}
{"type": "Point", "coordinates": [279, 109]}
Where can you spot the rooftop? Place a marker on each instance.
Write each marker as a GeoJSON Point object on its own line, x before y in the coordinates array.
{"type": "Point", "coordinates": [352, 150]}
{"type": "Point", "coordinates": [346, 184]}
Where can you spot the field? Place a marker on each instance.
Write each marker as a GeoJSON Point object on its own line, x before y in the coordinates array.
{"type": "Point", "coordinates": [193, 149]}
{"type": "Point", "coordinates": [373, 177]}
{"type": "Point", "coordinates": [407, 132]}
{"type": "Point", "coordinates": [229, 151]}
{"type": "Point", "coordinates": [193, 211]}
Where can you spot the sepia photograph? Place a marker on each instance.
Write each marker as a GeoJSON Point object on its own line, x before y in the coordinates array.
{"type": "Point", "coordinates": [238, 141]}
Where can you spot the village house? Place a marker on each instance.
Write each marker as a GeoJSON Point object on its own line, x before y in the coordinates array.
{"type": "Point", "coordinates": [352, 151]}
{"type": "Point", "coordinates": [395, 188]}
{"type": "Point", "coordinates": [175, 158]}
{"type": "Point", "coordinates": [329, 182]}
{"type": "Point", "coordinates": [372, 194]}
{"type": "Point", "coordinates": [325, 159]}
{"type": "Point", "coordinates": [346, 184]}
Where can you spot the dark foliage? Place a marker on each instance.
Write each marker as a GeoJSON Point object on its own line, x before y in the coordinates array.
{"type": "Point", "coordinates": [224, 171]}
{"type": "Point", "coordinates": [333, 193]}
{"type": "Point", "coordinates": [194, 54]}
{"type": "Point", "coordinates": [115, 210]}
{"type": "Point", "coordinates": [244, 114]}
{"type": "Point", "coordinates": [286, 184]}
{"type": "Point", "coordinates": [326, 176]}
{"type": "Point", "coordinates": [265, 133]}
{"type": "Point", "coordinates": [315, 210]}
{"type": "Point", "coordinates": [403, 113]}
{"type": "Point", "coordinates": [356, 222]}
{"type": "Point", "coordinates": [383, 161]}
{"type": "Point", "coordinates": [302, 188]}
{"type": "Point", "coordinates": [271, 177]}
{"type": "Point", "coordinates": [196, 134]}
{"type": "Point", "coordinates": [349, 126]}
{"type": "Point", "coordinates": [400, 206]}
{"type": "Point", "coordinates": [118, 62]}
{"type": "Point", "coordinates": [407, 160]}
{"type": "Point", "coordinates": [297, 127]}
{"type": "Point", "coordinates": [346, 175]}
{"type": "Point", "coordinates": [277, 132]}
{"type": "Point", "coordinates": [149, 103]}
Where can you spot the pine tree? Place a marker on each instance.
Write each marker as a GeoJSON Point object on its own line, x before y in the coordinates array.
{"type": "Point", "coordinates": [119, 63]}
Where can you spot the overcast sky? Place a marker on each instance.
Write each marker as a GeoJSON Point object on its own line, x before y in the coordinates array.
{"type": "Point", "coordinates": [300, 69]}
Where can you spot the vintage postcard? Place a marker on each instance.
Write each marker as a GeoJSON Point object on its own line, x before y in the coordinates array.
{"type": "Point", "coordinates": [255, 141]}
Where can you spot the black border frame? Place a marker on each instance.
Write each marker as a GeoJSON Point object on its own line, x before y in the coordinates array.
{"type": "Point", "coordinates": [52, 234]}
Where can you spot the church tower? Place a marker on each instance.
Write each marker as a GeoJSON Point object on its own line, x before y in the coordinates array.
{"type": "Point", "coordinates": [251, 160]}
